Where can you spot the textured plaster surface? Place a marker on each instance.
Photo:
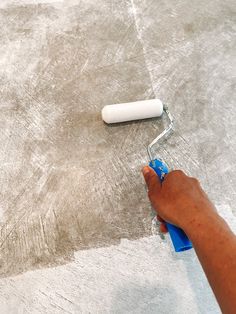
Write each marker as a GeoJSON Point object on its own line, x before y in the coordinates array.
{"type": "Point", "coordinates": [140, 276]}
{"type": "Point", "coordinates": [68, 182]}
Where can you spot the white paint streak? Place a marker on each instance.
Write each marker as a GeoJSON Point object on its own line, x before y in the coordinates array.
{"type": "Point", "coordinates": [139, 36]}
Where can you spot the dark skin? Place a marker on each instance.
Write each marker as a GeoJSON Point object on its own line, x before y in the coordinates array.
{"type": "Point", "coordinates": [180, 200]}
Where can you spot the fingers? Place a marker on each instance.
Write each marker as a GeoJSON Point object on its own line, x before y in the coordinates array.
{"type": "Point", "coordinates": [162, 226]}
{"type": "Point", "coordinates": [160, 219]}
{"type": "Point", "coordinates": [154, 187]}
{"type": "Point", "coordinates": [174, 174]}
{"type": "Point", "coordinates": [152, 180]}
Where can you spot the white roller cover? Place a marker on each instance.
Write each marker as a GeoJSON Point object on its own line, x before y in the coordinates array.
{"type": "Point", "coordinates": [132, 111]}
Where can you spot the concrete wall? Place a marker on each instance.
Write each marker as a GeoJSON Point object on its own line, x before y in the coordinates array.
{"type": "Point", "coordinates": [69, 183]}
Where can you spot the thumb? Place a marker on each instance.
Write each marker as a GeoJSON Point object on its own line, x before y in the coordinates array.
{"type": "Point", "coordinates": [152, 180]}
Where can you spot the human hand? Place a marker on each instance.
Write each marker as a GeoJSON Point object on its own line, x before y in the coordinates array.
{"type": "Point", "coordinates": [179, 199]}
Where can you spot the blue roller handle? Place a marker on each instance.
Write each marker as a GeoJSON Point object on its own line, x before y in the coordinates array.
{"type": "Point", "coordinates": [179, 238]}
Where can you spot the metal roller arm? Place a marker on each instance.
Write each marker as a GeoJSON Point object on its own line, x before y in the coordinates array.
{"type": "Point", "coordinates": [166, 132]}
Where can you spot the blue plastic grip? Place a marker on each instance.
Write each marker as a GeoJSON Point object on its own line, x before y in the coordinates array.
{"type": "Point", "coordinates": [178, 237]}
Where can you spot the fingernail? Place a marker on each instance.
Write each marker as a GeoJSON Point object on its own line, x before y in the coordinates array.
{"type": "Point", "coordinates": [145, 171]}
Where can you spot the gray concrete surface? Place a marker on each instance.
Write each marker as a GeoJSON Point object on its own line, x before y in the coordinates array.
{"type": "Point", "coordinates": [69, 182]}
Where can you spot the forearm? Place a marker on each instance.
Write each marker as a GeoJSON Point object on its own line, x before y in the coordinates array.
{"type": "Point", "coordinates": [215, 245]}
{"type": "Point", "coordinates": [181, 201]}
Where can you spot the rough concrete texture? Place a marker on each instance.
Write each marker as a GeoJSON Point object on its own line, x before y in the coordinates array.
{"type": "Point", "coordinates": [141, 276]}
{"type": "Point", "coordinates": [69, 182]}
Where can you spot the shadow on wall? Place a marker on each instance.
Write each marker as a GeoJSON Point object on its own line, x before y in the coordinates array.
{"type": "Point", "coordinates": [203, 295]}
{"type": "Point", "coordinates": [168, 298]}
{"type": "Point", "coordinates": [145, 299]}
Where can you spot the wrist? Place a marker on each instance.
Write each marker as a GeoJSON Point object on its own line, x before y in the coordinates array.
{"type": "Point", "coordinates": [200, 223]}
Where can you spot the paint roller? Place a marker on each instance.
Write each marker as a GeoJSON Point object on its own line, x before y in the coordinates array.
{"type": "Point", "coordinates": [145, 109]}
